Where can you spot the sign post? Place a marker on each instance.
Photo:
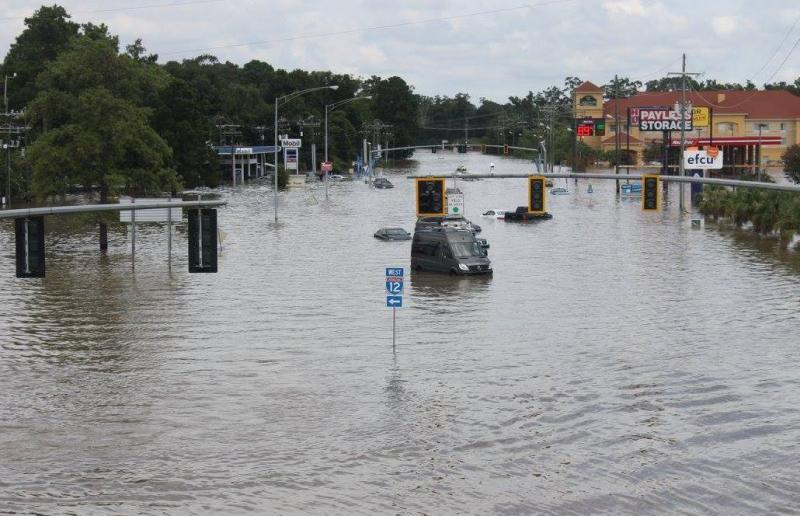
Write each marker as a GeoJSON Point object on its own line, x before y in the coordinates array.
{"type": "Point", "coordinates": [326, 167]}
{"type": "Point", "coordinates": [394, 295]}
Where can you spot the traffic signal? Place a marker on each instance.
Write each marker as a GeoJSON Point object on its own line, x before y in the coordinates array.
{"type": "Point", "coordinates": [505, 149]}
{"type": "Point", "coordinates": [650, 200]}
{"type": "Point", "coordinates": [29, 232]}
{"type": "Point", "coordinates": [537, 195]}
{"type": "Point", "coordinates": [203, 240]}
{"type": "Point", "coordinates": [431, 197]}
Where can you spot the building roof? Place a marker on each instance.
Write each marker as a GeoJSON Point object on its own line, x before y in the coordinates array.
{"type": "Point", "coordinates": [588, 86]}
{"type": "Point", "coordinates": [623, 139]}
{"type": "Point", "coordinates": [770, 104]}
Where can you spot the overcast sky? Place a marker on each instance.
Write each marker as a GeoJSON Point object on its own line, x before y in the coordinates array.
{"type": "Point", "coordinates": [486, 49]}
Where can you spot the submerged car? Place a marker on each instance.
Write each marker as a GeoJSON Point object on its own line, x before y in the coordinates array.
{"type": "Point", "coordinates": [495, 214]}
{"type": "Point", "coordinates": [449, 250]}
{"type": "Point", "coordinates": [382, 182]}
{"type": "Point", "coordinates": [392, 234]}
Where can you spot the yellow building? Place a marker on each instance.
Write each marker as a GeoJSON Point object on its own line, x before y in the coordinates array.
{"type": "Point", "coordinates": [750, 127]}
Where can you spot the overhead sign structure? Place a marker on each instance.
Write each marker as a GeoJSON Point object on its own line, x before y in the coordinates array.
{"type": "Point", "coordinates": [292, 143]}
{"type": "Point", "coordinates": [431, 197]}
{"type": "Point", "coordinates": [537, 195]}
{"type": "Point", "coordinates": [590, 127]}
{"type": "Point", "coordinates": [662, 119]}
{"type": "Point", "coordinates": [708, 158]}
{"type": "Point", "coordinates": [455, 203]}
{"type": "Point", "coordinates": [650, 199]}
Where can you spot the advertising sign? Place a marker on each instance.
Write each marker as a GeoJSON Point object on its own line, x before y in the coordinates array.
{"type": "Point", "coordinates": [290, 158]}
{"type": "Point", "coordinates": [662, 119]}
{"type": "Point", "coordinates": [709, 158]}
{"type": "Point", "coordinates": [590, 127]}
{"type": "Point", "coordinates": [326, 166]}
{"type": "Point", "coordinates": [292, 143]}
{"type": "Point", "coordinates": [700, 116]}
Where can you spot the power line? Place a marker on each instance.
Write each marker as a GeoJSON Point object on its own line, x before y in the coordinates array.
{"type": "Point", "coordinates": [132, 8]}
{"type": "Point", "coordinates": [377, 27]}
{"type": "Point", "coordinates": [777, 49]}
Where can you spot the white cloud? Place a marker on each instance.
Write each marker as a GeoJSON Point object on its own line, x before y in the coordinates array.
{"type": "Point", "coordinates": [493, 55]}
{"type": "Point", "coordinates": [724, 25]}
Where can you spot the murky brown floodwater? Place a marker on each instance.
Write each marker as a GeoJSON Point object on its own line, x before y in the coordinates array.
{"type": "Point", "coordinates": [617, 362]}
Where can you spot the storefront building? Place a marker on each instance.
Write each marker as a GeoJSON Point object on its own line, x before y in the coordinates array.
{"type": "Point", "coordinates": [751, 128]}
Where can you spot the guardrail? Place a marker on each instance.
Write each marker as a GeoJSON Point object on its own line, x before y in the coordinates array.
{"type": "Point", "coordinates": [89, 208]}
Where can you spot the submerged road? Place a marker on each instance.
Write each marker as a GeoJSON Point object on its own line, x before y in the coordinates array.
{"type": "Point", "coordinates": [617, 361]}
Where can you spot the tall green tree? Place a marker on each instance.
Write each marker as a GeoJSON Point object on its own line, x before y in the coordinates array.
{"type": "Point", "coordinates": [791, 162]}
{"type": "Point", "coordinates": [394, 102]}
{"type": "Point", "coordinates": [47, 33]}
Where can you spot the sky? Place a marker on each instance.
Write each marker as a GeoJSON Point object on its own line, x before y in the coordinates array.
{"type": "Point", "coordinates": [488, 50]}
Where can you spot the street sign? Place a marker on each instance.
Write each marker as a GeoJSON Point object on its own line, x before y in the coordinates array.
{"type": "Point", "coordinates": [455, 203]}
{"type": "Point", "coordinates": [292, 143]}
{"type": "Point", "coordinates": [394, 287]}
{"type": "Point", "coordinates": [394, 301]}
{"type": "Point", "coordinates": [326, 166]}
{"type": "Point", "coordinates": [290, 158]}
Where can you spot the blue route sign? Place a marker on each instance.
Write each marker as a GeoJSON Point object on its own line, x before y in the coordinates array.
{"type": "Point", "coordinates": [394, 301]}
{"type": "Point", "coordinates": [394, 287]}
{"type": "Point", "coordinates": [394, 272]}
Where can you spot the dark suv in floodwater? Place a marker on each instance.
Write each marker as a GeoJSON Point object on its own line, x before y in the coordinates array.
{"type": "Point", "coordinates": [455, 251]}
{"type": "Point", "coordinates": [449, 221]}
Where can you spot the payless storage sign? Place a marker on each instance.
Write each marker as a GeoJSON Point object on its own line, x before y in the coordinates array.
{"type": "Point", "coordinates": [662, 119]}
{"type": "Point", "coordinates": [710, 158]}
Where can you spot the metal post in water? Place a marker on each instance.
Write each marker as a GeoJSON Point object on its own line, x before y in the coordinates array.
{"type": "Point", "coordinates": [200, 233]}
{"type": "Point", "coordinates": [394, 325]}
{"type": "Point", "coordinates": [133, 236]}
{"type": "Point", "coordinates": [169, 236]}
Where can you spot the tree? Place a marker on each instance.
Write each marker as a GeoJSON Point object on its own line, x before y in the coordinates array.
{"type": "Point", "coordinates": [108, 144]}
{"type": "Point", "coordinates": [791, 162]}
{"type": "Point", "coordinates": [47, 33]}
{"type": "Point", "coordinates": [394, 103]}
{"type": "Point", "coordinates": [621, 87]}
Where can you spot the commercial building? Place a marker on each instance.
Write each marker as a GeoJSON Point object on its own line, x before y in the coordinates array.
{"type": "Point", "coordinates": [751, 128]}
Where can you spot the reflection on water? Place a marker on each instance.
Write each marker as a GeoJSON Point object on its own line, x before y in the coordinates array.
{"type": "Point", "coordinates": [617, 361]}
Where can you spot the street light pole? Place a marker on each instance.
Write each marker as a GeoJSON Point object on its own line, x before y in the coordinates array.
{"type": "Point", "coordinates": [8, 138]}
{"type": "Point", "coordinates": [287, 98]}
{"type": "Point", "coordinates": [328, 109]}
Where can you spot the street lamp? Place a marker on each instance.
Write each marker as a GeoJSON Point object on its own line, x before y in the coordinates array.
{"type": "Point", "coordinates": [287, 98]}
{"type": "Point", "coordinates": [328, 109]}
{"type": "Point", "coordinates": [8, 136]}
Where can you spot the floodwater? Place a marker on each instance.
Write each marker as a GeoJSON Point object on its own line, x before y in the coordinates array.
{"type": "Point", "coordinates": [616, 362]}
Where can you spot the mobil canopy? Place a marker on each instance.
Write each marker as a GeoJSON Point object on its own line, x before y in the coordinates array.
{"type": "Point", "coordinates": [664, 119]}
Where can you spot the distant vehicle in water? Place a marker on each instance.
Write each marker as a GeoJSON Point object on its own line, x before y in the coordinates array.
{"type": "Point", "coordinates": [521, 215]}
{"type": "Point", "coordinates": [559, 190]}
{"type": "Point", "coordinates": [494, 214]}
{"type": "Point", "coordinates": [335, 177]}
{"type": "Point", "coordinates": [382, 182]}
{"type": "Point", "coordinates": [449, 221]}
{"type": "Point", "coordinates": [449, 250]}
{"type": "Point", "coordinates": [392, 234]}
{"type": "Point", "coordinates": [461, 168]}
{"type": "Point", "coordinates": [483, 243]}
{"type": "Point", "coordinates": [548, 183]}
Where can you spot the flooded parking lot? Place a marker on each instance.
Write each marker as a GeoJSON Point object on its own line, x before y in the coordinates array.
{"type": "Point", "coordinates": [616, 361]}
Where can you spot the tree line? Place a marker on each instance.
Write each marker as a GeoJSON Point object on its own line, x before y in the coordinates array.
{"type": "Point", "coordinates": [110, 120]}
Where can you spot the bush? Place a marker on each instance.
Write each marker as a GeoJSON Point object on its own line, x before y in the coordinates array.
{"type": "Point", "coordinates": [283, 177]}
{"type": "Point", "coordinates": [791, 162]}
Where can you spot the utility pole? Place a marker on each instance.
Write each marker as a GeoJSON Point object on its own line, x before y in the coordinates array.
{"type": "Point", "coordinates": [682, 172]}
{"type": "Point", "coordinates": [616, 128]}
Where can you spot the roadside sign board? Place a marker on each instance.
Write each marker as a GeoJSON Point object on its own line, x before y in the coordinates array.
{"type": "Point", "coordinates": [326, 166]}
{"type": "Point", "coordinates": [394, 287]}
{"type": "Point", "coordinates": [154, 215]}
{"type": "Point", "coordinates": [700, 116]}
{"type": "Point", "coordinates": [394, 301]}
{"type": "Point", "coordinates": [292, 143]}
{"type": "Point", "coordinates": [708, 158]}
{"type": "Point", "coordinates": [455, 203]}
{"type": "Point", "coordinates": [290, 158]}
